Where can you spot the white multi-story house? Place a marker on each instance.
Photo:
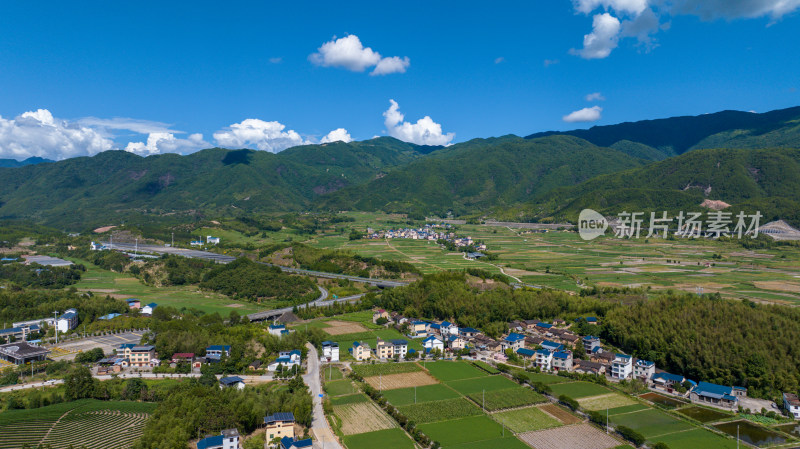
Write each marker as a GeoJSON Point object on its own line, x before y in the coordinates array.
{"type": "Point", "coordinates": [433, 343]}
{"type": "Point", "coordinates": [562, 361]}
{"type": "Point", "coordinates": [149, 308]}
{"type": "Point", "coordinates": [228, 439]}
{"type": "Point", "coordinates": [643, 369]}
{"type": "Point", "coordinates": [361, 351]}
{"type": "Point", "coordinates": [330, 351]}
{"type": "Point", "coordinates": [544, 359]}
{"type": "Point", "coordinates": [621, 366]}
{"type": "Point", "coordinates": [590, 343]}
{"type": "Point", "coordinates": [67, 321]}
{"type": "Point", "coordinates": [792, 404]}
{"type": "Point", "coordinates": [277, 329]}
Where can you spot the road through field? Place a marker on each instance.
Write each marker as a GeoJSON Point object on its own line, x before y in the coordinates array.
{"type": "Point", "coordinates": [319, 425]}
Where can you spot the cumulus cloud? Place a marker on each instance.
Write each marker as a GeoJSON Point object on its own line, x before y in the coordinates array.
{"type": "Point", "coordinates": [337, 135]}
{"type": "Point", "coordinates": [549, 62]}
{"type": "Point", "coordinates": [38, 133]}
{"type": "Point", "coordinates": [255, 133]}
{"type": "Point", "coordinates": [596, 96]}
{"type": "Point", "coordinates": [499, 60]}
{"type": "Point", "coordinates": [592, 114]}
{"type": "Point", "coordinates": [348, 52]}
{"type": "Point", "coordinates": [603, 38]}
{"type": "Point", "coordinates": [123, 123]}
{"type": "Point", "coordinates": [164, 142]}
{"type": "Point", "coordinates": [275, 60]}
{"type": "Point", "coordinates": [642, 19]}
{"type": "Point", "coordinates": [424, 132]}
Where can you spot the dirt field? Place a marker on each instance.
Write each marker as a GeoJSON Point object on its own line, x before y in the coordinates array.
{"type": "Point", "coordinates": [560, 414]}
{"type": "Point", "coordinates": [343, 327]}
{"type": "Point", "coordinates": [362, 417]}
{"type": "Point", "coordinates": [579, 436]}
{"type": "Point", "coordinates": [778, 285]}
{"type": "Point", "coordinates": [604, 401]}
{"type": "Point", "coordinates": [402, 380]}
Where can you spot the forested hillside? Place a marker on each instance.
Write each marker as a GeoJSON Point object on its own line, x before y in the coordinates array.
{"type": "Point", "coordinates": [663, 138]}
{"type": "Point", "coordinates": [482, 174]}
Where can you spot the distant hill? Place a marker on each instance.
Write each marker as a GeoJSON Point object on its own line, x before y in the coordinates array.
{"type": "Point", "coordinates": [481, 175]}
{"type": "Point", "coordinates": [16, 163]}
{"type": "Point", "coordinates": [86, 191]}
{"type": "Point", "coordinates": [766, 180]}
{"type": "Point", "coordinates": [663, 138]}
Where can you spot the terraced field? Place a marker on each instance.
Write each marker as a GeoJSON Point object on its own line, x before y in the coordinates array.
{"type": "Point", "coordinates": [81, 423]}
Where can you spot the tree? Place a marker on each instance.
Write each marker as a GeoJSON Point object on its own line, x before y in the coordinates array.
{"type": "Point", "coordinates": [134, 389]}
{"type": "Point", "coordinates": [208, 379]}
{"type": "Point", "coordinates": [79, 383]}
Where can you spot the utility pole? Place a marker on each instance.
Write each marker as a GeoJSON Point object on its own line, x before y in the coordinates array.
{"type": "Point", "coordinates": [415, 394]}
{"type": "Point", "coordinates": [173, 241]}
{"type": "Point", "coordinates": [483, 400]}
{"type": "Point", "coordinates": [737, 436]}
{"type": "Point", "coordinates": [606, 420]}
{"type": "Point", "coordinates": [136, 248]}
{"type": "Point", "coordinates": [55, 314]}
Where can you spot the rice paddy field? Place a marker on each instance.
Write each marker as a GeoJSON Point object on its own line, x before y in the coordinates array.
{"type": "Point", "coordinates": [84, 423]}
{"type": "Point", "coordinates": [558, 259]}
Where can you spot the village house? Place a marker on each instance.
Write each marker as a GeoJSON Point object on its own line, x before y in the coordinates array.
{"type": "Point", "coordinates": [590, 343]}
{"type": "Point", "coordinates": [447, 328]}
{"type": "Point", "coordinates": [141, 355]}
{"type": "Point", "coordinates": [291, 443]}
{"type": "Point", "coordinates": [255, 365]}
{"type": "Point", "coordinates": [232, 382]}
{"type": "Point", "coordinates": [397, 318]}
{"type": "Point", "coordinates": [591, 320]}
{"type": "Point", "coordinates": [133, 303]}
{"type": "Point", "coordinates": [544, 359]}
{"type": "Point", "coordinates": [278, 330]}
{"type": "Point", "coordinates": [602, 357]}
{"type": "Point", "coordinates": [568, 338]}
{"type": "Point", "coordinates": [588, 367]}
{"type": "Point", "coordinates": [456, 343]}
{"type": "Point", "coordinates": [643, 369]}
{"type": "Point", "coordinates": [378, 314]}
{"type": "Point", "coordinates": [621, 366]}
{"type": "Point", "coordinates": [432, 343]}
{"type": "Point", "coordinates": [360, 351]}
{"type": "Point", "coordinates": [227, 439]}
{"type": "Point", "coordinates": [286, 359]}
{"type": "Point", "coordinates": [419, 329]}
{"type": "Point", "coordinates": [279, 425]}
{"type": "Point", "coordinates": [183, 357]}
{"type": "Point", "coordinates": [330, 351]}
{"type": "Point", "coordinates": [543, 327]}
{"type": "Point", "coordinates": [667, 381]}
{"type": "Point", "coordinates": [517, 326]}
{"type": "Point", "coordinates": [532, 342]}
{"type": "Point", "coordinates": [468, 332]}
{"type": "Point", "coordinates": [67, 321]}
{"type": "Point", "coordinates": [218, 351]}
{"type": "Point", "coordinates": [387, 349]}
{"type": "Point", "coordinates": [551, 345]}
{"type": "Point", "coordinates": [792, 405]}
{"type": "Point", "coordinates": [562, 361]}
{"type": "Point", "coordinates": [149, 308]}
{"type": "Point", "coordinates": [527, 354]}
{"type": "Point", "coordinates": [717, 395]}
{"type": "Point", "coordinates": [198, 362]}
{"type": "Point", "coordinates": [559, 322]}
{"type": "Point", "coordinates": [513, 341]}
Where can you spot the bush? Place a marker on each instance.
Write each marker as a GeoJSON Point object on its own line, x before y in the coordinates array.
{"type": "Point", "coordinates": [569, 402]}
{"type": "Point", "coordinates": [631, 435]}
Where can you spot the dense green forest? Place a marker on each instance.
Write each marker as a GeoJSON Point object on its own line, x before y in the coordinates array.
{"type": "Point", "coordinates": [245, 279]}
{"type": "Point", "coordinates": [703, 338]}
{"type": "Point", "coordinates": [39, 276]}
{"type": "Point", "coordinates": [17, 304]}
{"type": "Point", "coordinates": [335, 261]}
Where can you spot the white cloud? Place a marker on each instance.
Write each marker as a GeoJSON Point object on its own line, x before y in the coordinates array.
{"type": "Point", "coordinates": [603, 38]}
{"type": "Point", "coordinates": [337, 135]}
{"type": "Point", "coordinates": [348, 52]}
{"type": "Point", "coordinates": [275, 60]}
{"type": "Point", "coordinates": [596, 96]}
{"type": "Point", "coordinates": [584, 115]}
{"type": "Point", "coordinates": [549, 62]}
{"type": "Point", "coordinates": [38, 133]}
{"type": "Point", "coordinates": [424, 132]}
{"type": "Point", "coordinates": [163, 142]}
{"type": "Point", "coordinates": [499, 60]}
{"type": "Point", "coordinates": [643, 18]}
{"type": "Point", "coordinates": [395, 64]}
{"type": "Point", "coordinates": [266, 136]}
{"type": "Point", "coordinates": [131, 124]}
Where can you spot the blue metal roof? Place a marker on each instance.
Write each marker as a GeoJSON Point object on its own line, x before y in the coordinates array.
{"type": "Point", "coordinates": [465, 330]}
{"type": "Point", "coordinates": [210, 442]}
{"type": "Point", "coordinates": [68, 315]}
{"type": "Point", "coordinates": [287, 416]}
{"type": "Point", "coordinates": [399, 342]}
{"type": "Point", "coordinates": [230, 380]}
{"type": "Point", "coordinates": [446, 324]}
{"type": "Point", "coordinates": [543, 351]}
{"type": "Point", "coordinates": [713, 391]}
{"type": "Point", "coordinates": [544, 325]}
{"type": "Point", "coordinates": [526, 352]}
{"type": "Point", "coordinates": [11, 330]}
{"type": "Point", "coordinates": [152, 305]}
{"type": "Point", "coordinates": [551, 345]}
{"type": "Point", "coordinates": [589, 338]}
{"type": "Point", "coordinates": [287, 442]}
{"type": "Point", "coordinates": [219, 348]}
{"type": "Point", "coordinates": [591, 319]}
{"type": "Point", "coordinates": [514, 337]}
{"type": "Point", "coordinates": [561, 355]}
{"type": "Point", "coordinates": [623, 356]}
{"type": "Point", "coordinates": [646, 363]}
{"type": "Point", "coordinates": [431, 338]}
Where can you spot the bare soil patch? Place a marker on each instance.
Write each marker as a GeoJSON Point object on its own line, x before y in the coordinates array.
{"type": "Point", "coordinates": [343, 327]}
{"type": "Point", "coordinates": [580, 436]}
{"type": "Point", "coordinates": [610, 400]}
{"type": "Point", "coordinates": [778, 285]}
{"type": "Point", "coordinates": [559, 414]}
{"type": "Point", "coordinates": [402, 380]}
{"type": "Point", "coordinates": [362, 417]}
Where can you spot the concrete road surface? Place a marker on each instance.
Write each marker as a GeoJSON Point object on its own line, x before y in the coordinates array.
{"type": "Point", "coordinates": [319, 425]}
{"type": "Point", "coordinates": [107, 342]}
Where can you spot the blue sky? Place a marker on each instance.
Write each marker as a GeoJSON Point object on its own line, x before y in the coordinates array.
{"type": "Point", "coordinates": [108, 74]}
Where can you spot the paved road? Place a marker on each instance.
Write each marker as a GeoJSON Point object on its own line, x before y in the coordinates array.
{"type": "Point", "coordinates": [106, 342]}
{"type": "Point", "coordinates": [321, 302]}
{"type": "Point", "coordinates": [319, 425]}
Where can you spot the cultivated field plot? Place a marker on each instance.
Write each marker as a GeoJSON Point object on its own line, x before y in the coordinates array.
{"type": "Point", "coordinates": [403, 380]}
{"type": "Point", "coordinates": [546, 379]}
{"type": "Point", "coordinates": [368, 370]}
{"type": "Point", "coordinates": [579, 436]}
{"type": "Point", "coordinates": [394, 438]}
{"type": "Point", "coordinates": [627, 409]}
{"type": "Point", "coordinates": [650, 423]}
{"type": "Point", "coordinates": [428, 393]}
{"type": "Point", "coordinates": [695, 438]}
{"type": "Point", "coordinates": [703, 414]}
{"type": "Point", "coordinates": [503, 399]}
{"type": "Point", "coordinates": [509, 442]}
{"type": "Point", "coordinates": [429, 412]}
{"type": "Point", "coordinates": [362, 417]}
{"type": "Point", "coordinates": [577, 390]}
{"type": "Point", "coordinates": [479, 384]}
{"type": "Point", "coordinates": [560, 413]}
{"type": "Point", "coordinates": [340, 387]}
{"type": "Point", "coordinates": [465, 430]}
{"type": "Point", "coordinates": [349, 399]}
{"type": "Point", "coordinates": [343, 327]}
{"type": "Point", "coordinates": [80, 423]}
{"type": "Point", "coordinates": [526, 420]}
{"type": "Point", "coordinates": [604, 401]}
{"type": "Point", "coordinates": [446, 371]}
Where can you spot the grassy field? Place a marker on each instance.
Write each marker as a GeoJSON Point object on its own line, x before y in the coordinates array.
{"type": "Point", "coordinates": [435, 411]}
{"type": "Point", "coordinates": [650, 423]}
{"type": "Point", "coordinates": [478, 384]}
{"type": "Point", "coordinates": [427, 393]}
{"type": "Point", "coordinates": [123, 286]}
{"type": "Point", "coordinates": [526, 420]}
{"type": "Point", "coordinates": [446, 371]}
{"type": "Point", "coordinates": [465, 430]}
{"type": "Point", "coordinates": [80, 423]}
{"type": "Point", "coordinates": [577, 390]}
{"type": "Point", "coordinates": [386, 368]}
{"type": "Point", "coordinates": [340, 387]}
{"type": "Point", "coordinates": [394, 438]}
{"type": "Point", "coordinates": [510, 398]}
{"type": "Point", "coordinates": [695, 438]}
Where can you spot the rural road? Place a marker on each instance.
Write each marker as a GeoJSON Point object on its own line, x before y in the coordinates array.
{"type": "Point", "coordinates": [319, 425]}
{"type": "Point", "coordinates": [49, 383]}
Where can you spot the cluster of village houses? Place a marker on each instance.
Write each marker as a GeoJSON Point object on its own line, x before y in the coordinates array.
{"type": "Point", "coordinates": [548, 347]}
{"type": "Point", "coordinates": [277, 427]}
{"type": "Point", "coordinates": [430, 232]}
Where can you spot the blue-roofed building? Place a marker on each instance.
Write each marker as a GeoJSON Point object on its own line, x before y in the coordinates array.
{"type": "Point", "coordinates": [110, 316]}
{"type": "Point", "coordinates": [526, 353]}
{"type": "Point", "coordinates": [279, 425]}
{"type": "Point", "coordinates": [291, 443]}
{"type": "Point", "coordinates": [591, 320]}
{"type": "Point", "coordinates": [468, 332]}
{"type": "Point", "coordinates": [433, 343]}
{"type": "Point", "coordinates": [717, 395]}
{"type": "Point", "coordinates": [643, 369]}
{"type": "Point", "coordinates": [149, 308]}
{"type": "Point", "coordinates": [67, 321]}
{"type": "Point", "coordinates": [276, 329]}
{"type": "Point", "coordinates": [227, 439]}
{"type": "Point", "coordinates": [667, 380]}
{"type": "Point", "coordinates": [133, 303]}
{"type": "Point", "coordinates": [541, 325]}
{"type": "Point", "coordinates": [513, 341]}
{"type": "Point", "coordinates": [544, 359]}
{"type": "Point", "coordinates": [218, 350]}
{"type": "Point", "coordinates": [621, 366]}
{"type": "Point", "coordinates": [562, 361]}
{"type": "Point", "coordinates": [590, 343]}
{"type": "Point", "coordinates": [552, 346]}
{"type": "Point", "coordinates": [232, 382]}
